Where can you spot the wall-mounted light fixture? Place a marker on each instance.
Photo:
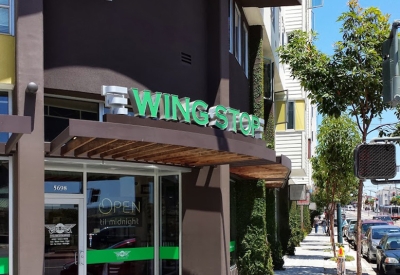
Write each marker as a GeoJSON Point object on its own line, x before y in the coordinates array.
{"type": "Point", "coordinates": [31, 88]}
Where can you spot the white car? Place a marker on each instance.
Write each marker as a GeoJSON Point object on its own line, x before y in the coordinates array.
{"type": "Point", "coordinates": [350, 208]}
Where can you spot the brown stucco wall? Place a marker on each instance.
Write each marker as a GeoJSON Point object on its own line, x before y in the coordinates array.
{"type": "Point", "coordinates": [206, 229]}
{"type": "Point", "coordinates": [28, 196]}
{"type": "Point", "coordinates": [239, 95]}
{"type": "Point", "coordinates": [126, 43]}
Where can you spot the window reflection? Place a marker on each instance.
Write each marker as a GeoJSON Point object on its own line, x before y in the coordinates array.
{"type": "Point", "coordinates": [120, 215]}
{"type": "Point", "coordinates": [169, 250]}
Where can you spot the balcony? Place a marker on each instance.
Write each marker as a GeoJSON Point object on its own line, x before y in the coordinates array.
{"type": "Point", "coordinates": [269, 3]}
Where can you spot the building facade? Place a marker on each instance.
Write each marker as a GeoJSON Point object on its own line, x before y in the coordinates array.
{"type": "Point", "coordinates": [122, 124]}
{"type": "Point", "coordinates": [296, 117]}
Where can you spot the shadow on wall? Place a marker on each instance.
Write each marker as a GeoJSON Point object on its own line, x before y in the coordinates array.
{"type": "Point", "coordinates": [204, 229]}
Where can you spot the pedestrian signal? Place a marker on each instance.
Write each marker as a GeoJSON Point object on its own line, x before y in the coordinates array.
{"type": "Point", "coordinates": [375, 161]}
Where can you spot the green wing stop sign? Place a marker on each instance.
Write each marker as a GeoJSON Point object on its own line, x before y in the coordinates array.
{"type": "Point", "coordinates": [170, 107]}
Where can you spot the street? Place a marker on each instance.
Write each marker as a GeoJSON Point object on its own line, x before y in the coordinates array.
{"type": "Point", "coordinates": [366, 214]}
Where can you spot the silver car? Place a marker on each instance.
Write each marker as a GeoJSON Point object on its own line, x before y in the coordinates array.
{"type": "Point", "coordinates": [350, 233]}
{"type": "Point", "coordinates": [373, 237]}
{"type": "Point", "coordinates": [346, 228]}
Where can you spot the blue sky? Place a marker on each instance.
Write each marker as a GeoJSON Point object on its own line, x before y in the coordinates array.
{"type": "Point", "coordinates": [328, 33]}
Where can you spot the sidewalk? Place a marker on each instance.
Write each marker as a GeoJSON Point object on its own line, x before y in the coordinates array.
{"type": "Point", "coordinates": [312, 257]}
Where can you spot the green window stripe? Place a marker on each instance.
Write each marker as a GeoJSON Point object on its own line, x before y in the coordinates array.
{"type": "Point", "coordinates": [130, 254]}
{"type": "Point", "coordinates": [169, 253]}
{"type": "Point", "coordinates": [4, 265]}
{"type": "Point", "coordinates": [119, 255]}
{"type": "Point", "coordinates": [232, 246]}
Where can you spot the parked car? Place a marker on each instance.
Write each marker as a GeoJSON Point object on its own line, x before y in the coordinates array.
{"type": "Point", "coordinates": [346, 227]}
{"type": "Point", "coordinates": [365, 224]}
{"type": "Point", "coordinates": [373, 236]}
{"type": "Point", "coordinates": [385, 218]}
{"type": "Point", "coordinates": [388, 254]}
{"type": "Point", "coordinates": [350, 233]}
{"type": "Point", "coordinates": [350, 208]}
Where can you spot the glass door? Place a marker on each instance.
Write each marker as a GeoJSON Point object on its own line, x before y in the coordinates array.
{"type": "Point", "coordinates": [64, 252]}
{"type": "Point", "coordinates": [169, 225]}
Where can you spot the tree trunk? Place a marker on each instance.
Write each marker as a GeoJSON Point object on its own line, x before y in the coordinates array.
{"type": "Point", "coordinates": [332, 227]}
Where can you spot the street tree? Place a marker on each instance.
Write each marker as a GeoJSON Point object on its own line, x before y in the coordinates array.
{"type": "Point", "coordinates": [348, 81]}
{"type": "Point", "coordinates": [333, 164]}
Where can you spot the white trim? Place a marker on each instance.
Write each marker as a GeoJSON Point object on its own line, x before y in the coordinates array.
{"type": "Point", "coordinates": [63, 199]}
{"type": "Point", "coordinates": [231, 26]}
{"type": "Point", "coordinates": [246, 50]}
{"type": "Point", "coordinates": [118, 163]}
{"type": "Point", "coordinates": [6, 87]}
{"type": "Point", "coordinates": [10, 109]}
{"type": "Point", "coordinates": [101, 111]}
{"type": "Point", "coordinates": [180, 223]}
{"type": "Point", "coordinates": [73, 98]}
{"type": "Point", "coordinates": [100, 170]}
{"type": "Point", "coordinates": [238, 39]}
{"type": "Point", "coordinates": [156, 221]}
{"type": "Point", "coordinates": [12, 18]}
{"type": "Point", "coordinates": [10, 214]}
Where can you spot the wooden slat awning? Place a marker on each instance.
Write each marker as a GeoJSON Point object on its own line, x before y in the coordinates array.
{"type": "Point", "coordinates": [134, 139]}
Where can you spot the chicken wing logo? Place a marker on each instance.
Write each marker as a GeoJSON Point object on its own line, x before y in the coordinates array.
{"type": "Point", "coordinates": [59, 228]}
{"type": "Point", "coordinates": [122, 254]}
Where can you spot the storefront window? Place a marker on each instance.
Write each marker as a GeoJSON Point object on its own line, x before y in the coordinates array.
{"type": "Point", "coordinates": [233, 230]}
{"type": "Point", "coordinates": [169, 243]}
{"type": "Point", "coordinates": [4, 217]}
{"type": "Point", "coordinates": [120, 224]}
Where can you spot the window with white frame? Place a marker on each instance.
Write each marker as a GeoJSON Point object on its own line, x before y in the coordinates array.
{"type": "Point", "coordinates": [238, 36]}
{"type": "Point", "coordinates": [230, 23]}
{"type": "Point", "coordinates": [6, 16]}
{"type": "Point", "coordinates": [245, 42]}
{"type": "Point", "coordinates": [273, 18]}
{"type": "Point", "coordinates": [4, 110]}
{"type": "Point", "coordinates": [290, 115]}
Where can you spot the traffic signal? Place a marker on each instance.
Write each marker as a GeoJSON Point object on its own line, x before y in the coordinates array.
{"type": "Point", "coordinates": [391, 67]}
{"type": "Point", "coordinates": [375, 161]}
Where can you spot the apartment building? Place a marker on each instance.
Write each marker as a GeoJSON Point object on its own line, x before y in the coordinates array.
{"type": "Point", "coordinates": [121, 124]}
{"type": "Point", "coordinates": [296, 117]}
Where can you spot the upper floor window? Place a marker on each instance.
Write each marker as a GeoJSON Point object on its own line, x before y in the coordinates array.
{"type": "Point", "coordinates": [57, 112]}
{"type": "Point", "coordinates": [239, 38]}
{"type": "Point", "coordinates": [4, 110]}
{"type": "Point", "coordinates": [6, 15]}
{"type": "Point", "coordinates": [290, 115]}
{"type": "Point", "coordinates": [273, 18]}
{"type": "Point", "coordinates": [268, 78]}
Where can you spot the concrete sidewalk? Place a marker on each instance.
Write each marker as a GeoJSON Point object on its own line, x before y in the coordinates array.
{"type": "Point", "coordinates": [312, 257]}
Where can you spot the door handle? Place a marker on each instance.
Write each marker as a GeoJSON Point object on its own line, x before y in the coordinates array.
{"type": "Point", "coordinates": [81, 257]}
{"type": "Point", "coordinates": [76, 260]}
